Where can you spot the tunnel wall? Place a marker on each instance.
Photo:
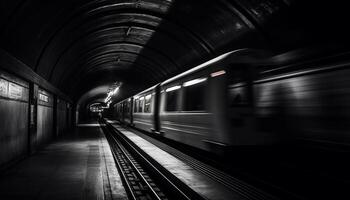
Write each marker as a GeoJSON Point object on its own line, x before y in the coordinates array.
{"type": "Point", "coordinates": [13, 115]}
{"type": "Point", "coordinates": [27, 110]}
{"type": "Point", "coordinates": [70, 116]}
{"type": "Point", "coordinates": [62, 117]}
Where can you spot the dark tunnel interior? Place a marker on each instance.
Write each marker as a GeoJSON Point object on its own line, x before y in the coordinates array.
{"type": "Point", "coordinates": [282, 111]}
{"type": "Point", "coordinates": [73, 44]}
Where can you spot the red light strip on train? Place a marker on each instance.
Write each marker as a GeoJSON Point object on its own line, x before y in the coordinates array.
{"type": "Point", "coordinates": [218, 73]}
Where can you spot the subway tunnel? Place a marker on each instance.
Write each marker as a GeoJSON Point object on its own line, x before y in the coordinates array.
{"type": "Point", "coordinates": [174, 99]}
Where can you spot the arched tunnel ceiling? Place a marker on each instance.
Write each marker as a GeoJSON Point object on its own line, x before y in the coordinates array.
{"type": "Point", "coordinates": [79, 45]}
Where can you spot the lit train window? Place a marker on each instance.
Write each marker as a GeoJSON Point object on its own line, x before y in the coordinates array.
{"type": "Point", "coordinates": [194, 82]}
{"type": "Point", "coordinates": [142, 99]}
{"type": "Point", "coordinates": [136, 102]}
{"type": "Point", "coordinates": [172, 95]}
{"type": "Point", "coordinates": [194, 95]}
{"type": "Point", "coordinates": [128, 106]}
{"type": "Point", "coordinates": [173, 88]}
{"type": "Point", "coordinates": [148, 99]}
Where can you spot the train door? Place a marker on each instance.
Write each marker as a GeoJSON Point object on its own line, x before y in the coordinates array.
{"type": "Point", "coordinates": [241, 106]}
{"type": "Point", "coordinates": [156, 109]}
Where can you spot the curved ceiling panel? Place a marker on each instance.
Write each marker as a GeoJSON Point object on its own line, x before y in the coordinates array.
{"type": "Point", "coordinates": [120, 48]}
{"type": "Point", "coordinates": [128, 35]}
{"type": "Point", "coordinates": [74, 28]}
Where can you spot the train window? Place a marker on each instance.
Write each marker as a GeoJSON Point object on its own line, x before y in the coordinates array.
{"type": "Point", "coordinates": [148, 99]}
{"type": "Point", "coordinates": [128, 104]}
{"type": "Point", "coordinates": [194, 95]}
{"type": "Point", "coordinates": [141, 104]}
{"type": "Point", "coordinates": [238, 96]}
{"type": "Point", "coordinates": [172, 94]}
{"type": "Point", "coordinates": [135, 105]}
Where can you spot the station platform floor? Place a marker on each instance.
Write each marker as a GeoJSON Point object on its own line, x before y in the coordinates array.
{"type": "Point", "coordinates": [77, 167]}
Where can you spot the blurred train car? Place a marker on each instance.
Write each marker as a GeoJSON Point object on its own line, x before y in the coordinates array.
{"type": "Point", "coordinates": [247, 98]}
{"type": "Point", "coordinates": [306, 101]}
{"type": "Point", "coordinates": [146, 110]}
{"type": "Point", "coordinates": [198, 107]}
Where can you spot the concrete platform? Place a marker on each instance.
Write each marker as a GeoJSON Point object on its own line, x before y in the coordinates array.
{"type": "Point", "coordinates": [78, 167]}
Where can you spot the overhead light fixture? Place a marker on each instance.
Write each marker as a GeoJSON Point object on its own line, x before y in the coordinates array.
{"type": "Point", "coordinates": [111, 93]}
{"type": "Point", "coordinates": [107, 99]}
{"type": "Point", "coordinates": [108, 103]}
{"type": "Point", "coordinates": [115, 91]}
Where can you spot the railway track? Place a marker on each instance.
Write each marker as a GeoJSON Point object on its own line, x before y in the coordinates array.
{"type": "Point", "coordinates": [258, 189]}
{"type": "Point", "coordinates": [142, 177]}
{"type": "Point", "coordinates": [247, 191]}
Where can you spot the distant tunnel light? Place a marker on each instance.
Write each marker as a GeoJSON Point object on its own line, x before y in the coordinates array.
{"type": "Point", "coordinates": [108, 103]}
{"type": "Point", "coordinates": [111, 93]}
{"type": "Point", "coordinates": [218, 73]}
{"type": "Point", "coordinates": [107, 99]}
{"type": "Point", "coordinates": [115, 90]}
{"type": "Point", "coordinates": [194, 81]}
{"type": "Point", "coordinates": [173, 88]}
{"type": "Point", "coordinates": [95, 104]}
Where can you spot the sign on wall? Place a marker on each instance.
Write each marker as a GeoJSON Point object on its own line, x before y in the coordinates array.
{"type": "Point", "coordinates": [3, 88]}
{"type": "Point", "coordinates": [15, 91]}
{"type": "Point", "coordinates": [43, 97]}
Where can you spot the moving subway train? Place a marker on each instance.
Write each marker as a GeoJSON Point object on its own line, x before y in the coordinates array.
{"type": "Point", "coordinates": [240, 99]}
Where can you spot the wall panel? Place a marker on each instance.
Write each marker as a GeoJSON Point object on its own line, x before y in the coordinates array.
{"type": "Point", "coordinates": [61, 117]}
{"type": "Point", "coordinates": [13, 118]}
{"type": "Point", "coordinates": [44, 118]}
